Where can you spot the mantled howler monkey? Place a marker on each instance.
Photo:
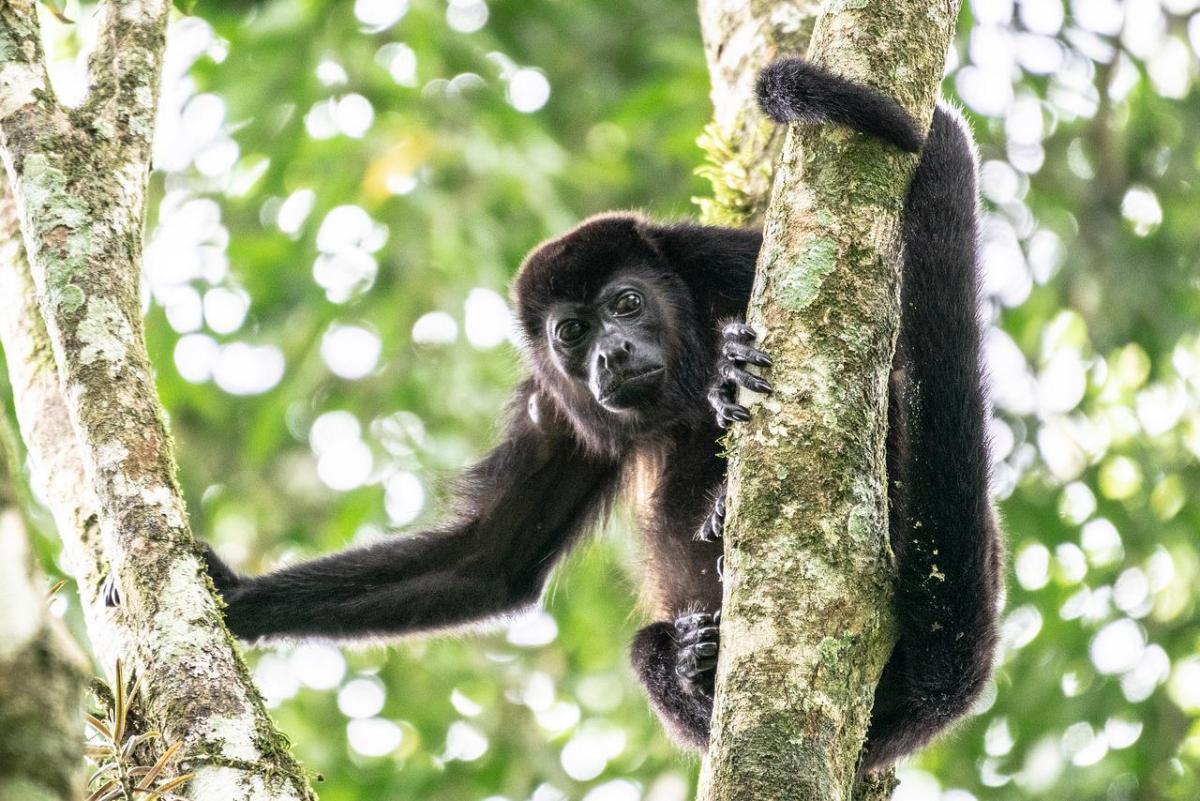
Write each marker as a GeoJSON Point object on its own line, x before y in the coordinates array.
{"type": "Point", "coordinates": [632, 343]}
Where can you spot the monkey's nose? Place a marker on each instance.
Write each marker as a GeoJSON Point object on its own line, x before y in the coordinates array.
{"type": "Point", "coordinates": [615, 354]}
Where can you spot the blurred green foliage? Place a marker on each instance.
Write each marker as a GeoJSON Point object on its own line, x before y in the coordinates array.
{"type": "Point", "coordinates": [345, 187]}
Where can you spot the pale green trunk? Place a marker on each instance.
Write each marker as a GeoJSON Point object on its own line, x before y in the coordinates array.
{"type": "Point", "coordinates": [807, 626]}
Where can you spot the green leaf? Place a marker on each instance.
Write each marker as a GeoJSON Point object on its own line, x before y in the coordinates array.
{"type": "Point", "coordinates": [58, 8]}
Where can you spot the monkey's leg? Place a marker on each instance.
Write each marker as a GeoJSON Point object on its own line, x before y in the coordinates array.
{"type": "Point", "coordinates": [677, 662]}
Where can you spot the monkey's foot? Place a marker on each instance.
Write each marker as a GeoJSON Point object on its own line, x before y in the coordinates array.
{"type": "Point", "coordinates": [736, 353]}
{"type": "Point", "coordinates": [697, 636]}
{"type": "Point", "coordinates": [714, 525]}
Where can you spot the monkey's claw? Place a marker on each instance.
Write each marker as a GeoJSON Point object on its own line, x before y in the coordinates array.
{"type": "Point", "coordinates": [736, 354]}
{"type": "Point", "coordinates": [222, 577]}
{"type": "Point", "coordinates": [714, 524]}
{"type": "Point", "coordinates": [109, 592]}
{"type": "Point", "coordinates": [698, 638]}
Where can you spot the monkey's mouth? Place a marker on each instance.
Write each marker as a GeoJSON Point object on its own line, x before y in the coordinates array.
{"type": "Point", "coordinates": [630, 389]}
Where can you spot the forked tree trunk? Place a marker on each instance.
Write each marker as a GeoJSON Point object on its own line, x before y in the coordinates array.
{"type": "Point", "coordinates": [806, 626]}
{"type": "Point", "coordinates": [86, 401]}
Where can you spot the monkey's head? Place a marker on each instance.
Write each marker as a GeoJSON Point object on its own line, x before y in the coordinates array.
{"type": "Point", "coordinates": [604, 315]}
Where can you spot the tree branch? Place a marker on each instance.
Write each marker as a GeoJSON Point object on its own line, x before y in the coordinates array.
{"type": "Point", "coordinates": [23, 78]}
{"type": "Point", "coordinates": [41, 668]}
{"type": "Point", "coordinates": [79, 186]}
{"type": "Point", "coordinates": [740, 143]}
{"type": "Point", "coordinates": [57, 465]}
{"type": "Point", "coordinates": [124, 72]}
{"type": "Point", "coordinates": [806, 626]}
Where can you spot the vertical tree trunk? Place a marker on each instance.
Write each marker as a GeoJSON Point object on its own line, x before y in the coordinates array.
{"type": "Point", "coordinates": [806, 626]}
{"type": "Point", "coordinates": [41, 668]}
{"type": "Point", "coordinates": [57, 473]}
{"type": "Point", "coordinates": [79, 181]}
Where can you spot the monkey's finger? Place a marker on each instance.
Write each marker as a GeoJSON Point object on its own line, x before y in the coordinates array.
{"type": "Point", "coordinates": [712, 529]}
{"type": "Point", "coordinates": [112, 596]}
{"type": "Point", "coordinates": [685, 624]}
{"type": "Point", "coordinates": [736, 351]}
{"type": "Point", "coordinates": [701, 663]}
{"type": "Point", "coordinates": [706, 634]}
{"type": "Point", "coordinates": [748, 380]}
{"type": "Point", "coordinates": [739, 331]}
{"type": "Point", "coordinates": [720, 396]}
{"type": "Point", "coordinates": [692, 666]}
{"type": "Point", "coordinates": [736, 412]}
{"type": "Point", "coordinates": [727, 410]}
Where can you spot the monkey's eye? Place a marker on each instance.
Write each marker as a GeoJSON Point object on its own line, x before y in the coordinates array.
{"type": "Point", "coordinates": [629, 303]}
{"type": "Point", "coordinates": [569, 332]}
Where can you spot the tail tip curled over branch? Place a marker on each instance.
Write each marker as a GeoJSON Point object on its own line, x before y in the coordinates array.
{"type": "Point", "coordinates": [784, 91]}
{"type": "Point", "coordinates": [794, 90]}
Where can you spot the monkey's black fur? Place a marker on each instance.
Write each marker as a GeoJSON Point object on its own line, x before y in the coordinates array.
{"type": "Point", "coordinates": [794, 90]}
{"type": "Point", "coordinates": [621, 324]}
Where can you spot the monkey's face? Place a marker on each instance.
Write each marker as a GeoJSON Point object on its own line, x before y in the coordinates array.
{"type": "Point", "coordinates": [614, 344]}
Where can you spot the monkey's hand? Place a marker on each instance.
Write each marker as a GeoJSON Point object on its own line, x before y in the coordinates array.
{"type": "Point", "coordinates": [736, 352]}
{"type": "Point", "coordinates": [714, 525]}
{"type": "Point", "coordinates": [698, 638]}
{"type": "Point", "coordinates": [222, 577]}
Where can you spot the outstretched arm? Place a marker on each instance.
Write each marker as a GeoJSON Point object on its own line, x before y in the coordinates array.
{"type": "Point", "coordinates": [518, 511]}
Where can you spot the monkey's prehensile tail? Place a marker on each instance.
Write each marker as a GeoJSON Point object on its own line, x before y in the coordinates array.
{"type": "Point", "coordinates": [795, 90]}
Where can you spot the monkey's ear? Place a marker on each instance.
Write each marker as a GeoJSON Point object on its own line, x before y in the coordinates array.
{"type": "Point", "coordinates": [668, 242]}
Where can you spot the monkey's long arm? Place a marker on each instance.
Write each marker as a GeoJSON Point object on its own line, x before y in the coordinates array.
{"type": "Point", "coordinates": [519, 510]}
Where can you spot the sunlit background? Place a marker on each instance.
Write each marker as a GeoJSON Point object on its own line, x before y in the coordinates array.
{"type": "Point", "coordinates": [343, 192]}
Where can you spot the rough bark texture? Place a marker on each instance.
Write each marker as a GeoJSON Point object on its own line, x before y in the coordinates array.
{"type": "Point", "coordinates": [806, 626]}
{"type": "Point", "coordinates": [741, 144]}
{"type": "Point", "coordinates": [42, 670]}
{"type": "Point", "coordinates": [57, 473]}
{"type": "Point", "coordinates": [79, 181]}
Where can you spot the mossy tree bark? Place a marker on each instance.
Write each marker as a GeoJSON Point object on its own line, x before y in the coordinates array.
{"type": "Point", "coordinates": [42, 670]}
{"type": "Point", "coordinates": [741, 144]}
{"type": "Point", "coordinates": [806, 627]}
{"type": "Point", "coordinates": [87, 402]}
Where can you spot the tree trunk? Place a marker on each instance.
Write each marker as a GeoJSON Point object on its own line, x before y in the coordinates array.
{"type": "Point", "coordinates": [79, 181]}
{"type": "Point", "coordinates": [41, 668]}
{"type": "Point", "coordinates": [741, 144]}
{"type": "Point", "coordinates": [806, 626]}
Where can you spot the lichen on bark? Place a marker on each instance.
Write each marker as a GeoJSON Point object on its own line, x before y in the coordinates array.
{"type": "Point", "coordinates": [806, 626]}
{"type": "Point", "coordinates": [81, 373]}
